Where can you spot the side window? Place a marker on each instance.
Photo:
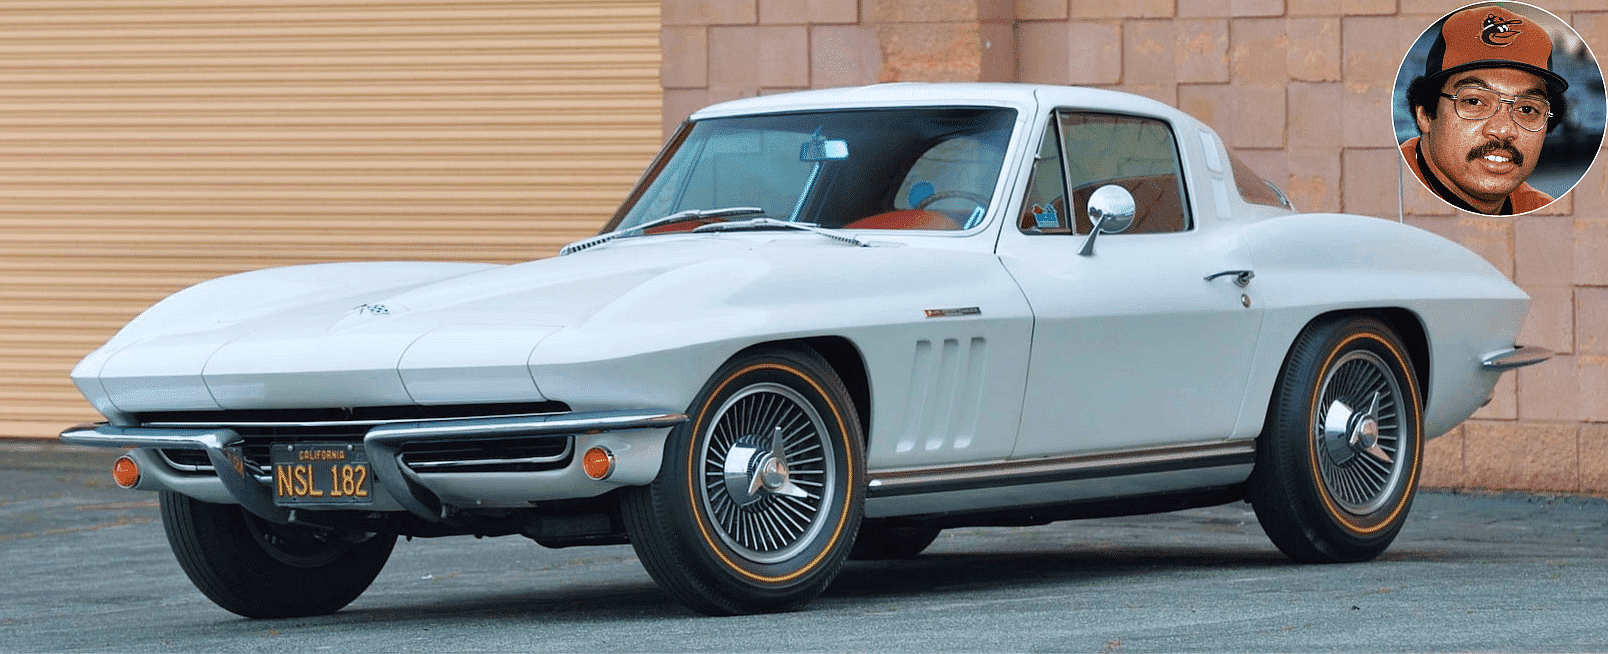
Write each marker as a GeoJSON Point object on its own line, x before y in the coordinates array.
{"type": "Point", "coordinates": [1045, 209]}
{"type": "Point", "coordinates": [1138, 154]}
{"type": "Point", "coordinates": [1254, 188]}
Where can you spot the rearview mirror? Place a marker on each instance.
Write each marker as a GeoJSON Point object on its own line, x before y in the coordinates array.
{"type": "Point", "coordinates": [818, 149]}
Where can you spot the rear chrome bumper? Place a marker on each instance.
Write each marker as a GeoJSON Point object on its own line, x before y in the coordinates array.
{"type": "Point", "coordinates": [1517, 357]}
{"type": "Point", "coordinates": [636, 438]}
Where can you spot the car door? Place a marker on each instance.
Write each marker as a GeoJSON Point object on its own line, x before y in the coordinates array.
{"type": "Point", "coordinates": [1133, 346]}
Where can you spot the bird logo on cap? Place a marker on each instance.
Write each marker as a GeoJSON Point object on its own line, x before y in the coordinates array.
{"type": "Point", "coordinates": [1498, 32]}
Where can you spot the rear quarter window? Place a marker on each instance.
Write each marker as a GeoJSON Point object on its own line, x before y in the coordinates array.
{"type": "Point", "coordinates": [1254, 188]}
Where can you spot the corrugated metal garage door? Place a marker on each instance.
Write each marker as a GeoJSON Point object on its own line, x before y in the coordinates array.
{"type": "Point", "coordinates": [145, 146]}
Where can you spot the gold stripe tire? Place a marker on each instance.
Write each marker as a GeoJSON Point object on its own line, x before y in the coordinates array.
{"type": "Point", "coordinates": [1338, 459]}
{"type": "Point", "coordinates": [760, 495]}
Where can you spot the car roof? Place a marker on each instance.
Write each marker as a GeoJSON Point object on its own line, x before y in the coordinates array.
{"type": "Point", "coordinates": [1025, 97]}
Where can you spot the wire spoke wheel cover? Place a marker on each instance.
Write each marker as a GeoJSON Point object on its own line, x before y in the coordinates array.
{"type": "Point", "coordinates": [766, 473]}
{"type": "Point", "coordinates": [1338, 459]}
{"type": "Point", "coordinates": [759, 498]}
{"type": "Point", "coordinates": [1358, 436]}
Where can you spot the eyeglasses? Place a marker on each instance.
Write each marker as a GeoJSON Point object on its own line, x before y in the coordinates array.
{"type": "Point", "coordinates": [1475, 103]}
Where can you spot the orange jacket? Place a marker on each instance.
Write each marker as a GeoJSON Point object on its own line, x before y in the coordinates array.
{"type": "Point", "coordinates": [1523, 199]}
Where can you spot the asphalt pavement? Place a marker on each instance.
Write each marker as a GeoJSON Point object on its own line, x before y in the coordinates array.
{"type": "Point", "coordinates": [87, 569]}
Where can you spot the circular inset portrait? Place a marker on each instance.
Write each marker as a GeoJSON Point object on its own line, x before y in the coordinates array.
{"type": "Point", "coordinates": [1499, 108]}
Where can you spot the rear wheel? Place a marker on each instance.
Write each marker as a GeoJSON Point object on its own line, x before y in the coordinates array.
{"type": "Point", "coordinates": [258, 569]}
{"type": "Point", "coordinates": [1337, 462]}
{"type": "Point", "coordinates": [759, 497]}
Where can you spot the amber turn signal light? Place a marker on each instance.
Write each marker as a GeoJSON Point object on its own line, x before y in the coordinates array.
{"type": "Point", "coordinates": [598, 462]}
{"type": "Point", "coordinates": [125, 472]}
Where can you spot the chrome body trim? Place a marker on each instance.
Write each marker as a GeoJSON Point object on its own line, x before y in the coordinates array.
{"type": "Point", "coordinates": [1517, 357]}
{"type": "Point", "coordinates": [181, 467]}
{"type": "Point", "coordinates": [638, 454]}
{"type": "Point", "coordinates": [1242, 278]}
{"type": "Point", "coordinates": [384, 446]}
{"type": "Point", "coordinates": [105, 435]}
{"type": "Point", "coordinates": [636, 437]}
{"type": "Point", "coordinates": [157, 474]}
{"type": "Point", "coordinates": [223, 448]}
{"type": "Point", "coordinates": [562, 423]}
{"type": "Point", "coordinates": [938, 479]}
{"type": "Point", "coordinates": [1057, 493]}
{"type": "Point", "coordinates": [251, 486]}
{"type": "Point", "coordinates": [313, 424]}
{"type": "Point", "coordinates": [447, 466]}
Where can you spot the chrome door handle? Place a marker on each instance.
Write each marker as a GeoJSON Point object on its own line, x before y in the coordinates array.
{"type": "Point", "coordinates": [1241, 277]}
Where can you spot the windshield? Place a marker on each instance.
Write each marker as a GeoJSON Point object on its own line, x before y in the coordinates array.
{"type": "Point", "coordinates": [924, 168]}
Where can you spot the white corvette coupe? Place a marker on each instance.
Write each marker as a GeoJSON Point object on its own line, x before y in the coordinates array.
{"type": "Point", "coordinates": [824, 325]}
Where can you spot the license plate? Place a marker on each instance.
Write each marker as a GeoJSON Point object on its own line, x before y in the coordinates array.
{"type": "Point", "coordinates": [321, 473]}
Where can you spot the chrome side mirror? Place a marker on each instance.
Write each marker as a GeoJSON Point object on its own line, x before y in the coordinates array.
{"type": "Point", "coordinates": [1111, 209]}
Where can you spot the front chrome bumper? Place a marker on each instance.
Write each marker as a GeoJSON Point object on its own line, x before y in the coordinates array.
{"type": "Point", "coordinates": [636, 438]}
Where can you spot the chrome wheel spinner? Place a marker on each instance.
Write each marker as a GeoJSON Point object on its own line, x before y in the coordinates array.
{"type": "Point", "coordinates": [750, 469]}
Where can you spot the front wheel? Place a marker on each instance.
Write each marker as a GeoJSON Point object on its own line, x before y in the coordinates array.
{"type": "Point", "coordinates": [1337, 462]}
{"type": "Point", "coordinates": [258, 569]}
{"type": "Point", "coordinates": [759, 497]}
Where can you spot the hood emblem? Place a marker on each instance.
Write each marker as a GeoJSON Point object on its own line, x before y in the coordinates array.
{"type": "Point", "coordinates": [374, 309]}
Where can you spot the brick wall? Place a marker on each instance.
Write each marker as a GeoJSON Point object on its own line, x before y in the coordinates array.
{"type": "Point", "coordinates": [1268, 75]}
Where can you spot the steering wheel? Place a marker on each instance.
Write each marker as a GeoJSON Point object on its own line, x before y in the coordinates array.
{"type": "Point", "coordinates": [976, 215]}
{"type": "Point", "coordinates": [980, 201]}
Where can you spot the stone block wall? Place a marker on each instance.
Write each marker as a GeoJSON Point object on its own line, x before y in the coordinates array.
{"type": "Point", "coordinates": [1300, 89]}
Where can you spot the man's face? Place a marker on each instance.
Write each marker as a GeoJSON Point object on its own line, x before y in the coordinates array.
{"type": "Point", "coordinates": [1482, 161]}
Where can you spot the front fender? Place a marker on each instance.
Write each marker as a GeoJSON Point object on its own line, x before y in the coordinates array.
{"type": "Point", "coordinates": [657, 344]}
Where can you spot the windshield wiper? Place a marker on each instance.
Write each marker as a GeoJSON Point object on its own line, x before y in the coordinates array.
{"type": "Point", "coordinates": [677, 217]}
{"type": "Point", "coordinates": [763, 223]}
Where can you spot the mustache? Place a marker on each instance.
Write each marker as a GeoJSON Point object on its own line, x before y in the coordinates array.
{"type": "Point", "coordinates": [1493, 147]}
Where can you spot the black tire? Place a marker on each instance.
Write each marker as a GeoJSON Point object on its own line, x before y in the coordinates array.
{"type": "Point", "coordinates": [257, 569]}
{"type": "Point", "coordinates": [880, 541]}
{"type": "Point", "coordinates": [1336, 469]}
{"type": "Point", "coordinates": [760, 534]}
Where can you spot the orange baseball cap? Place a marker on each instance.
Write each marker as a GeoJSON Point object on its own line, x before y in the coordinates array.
{"type": "Point", "coordinates": [1492, 37]}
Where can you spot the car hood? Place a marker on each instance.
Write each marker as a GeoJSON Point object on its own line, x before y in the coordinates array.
{"type": "Point", "coordinates": [369, 334]}
{"type": "Point", "coordinates": [357, 334]}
